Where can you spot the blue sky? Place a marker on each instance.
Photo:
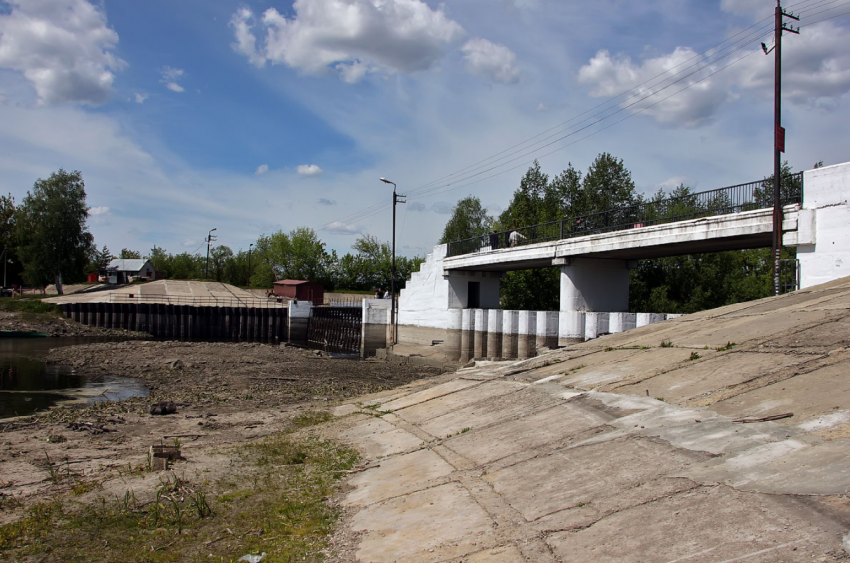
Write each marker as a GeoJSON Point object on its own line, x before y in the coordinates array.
{"type": "Point", "coordinates": [184, 115]}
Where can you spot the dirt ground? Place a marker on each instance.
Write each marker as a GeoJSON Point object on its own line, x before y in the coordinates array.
{"type": "Point", "coordinates": [226, 395]}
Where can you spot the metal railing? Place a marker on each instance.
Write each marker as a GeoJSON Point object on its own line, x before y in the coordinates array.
{"type": "Point", "coordinates": [722, 201]}
{"type": "Point", "coordinates": [211, 301]}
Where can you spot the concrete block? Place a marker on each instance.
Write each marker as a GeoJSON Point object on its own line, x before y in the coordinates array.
{"type": "Point", "coordinates": [547, 329]}
{"type": "Point", "coordinates": [596, 324]}
{"type": "Point", "coordinates": [621, 322]}
{"type": "Point", "coordinates": [570, 326]}
{"type": "Point", "coordinates": [644, 319]}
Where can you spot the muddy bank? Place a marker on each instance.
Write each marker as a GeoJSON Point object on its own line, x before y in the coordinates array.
{"type": "Point", "coordinates": [225, 394]}
{"type": "Point", "coordinates": [54, 325]}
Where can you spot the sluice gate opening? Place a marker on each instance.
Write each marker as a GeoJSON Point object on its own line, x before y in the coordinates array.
{"type": "Point", "coordinates": [335, 329]}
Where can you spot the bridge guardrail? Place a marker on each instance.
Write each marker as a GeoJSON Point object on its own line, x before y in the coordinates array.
{"type": "Point", "coordinates": [722, 201]}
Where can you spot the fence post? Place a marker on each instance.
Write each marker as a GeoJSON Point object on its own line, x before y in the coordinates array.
{"type": "Point", "coordinates": [562, 230]}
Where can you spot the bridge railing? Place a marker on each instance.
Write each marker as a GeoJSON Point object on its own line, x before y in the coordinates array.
{"type": "Point", "coordinates": [722, 201]}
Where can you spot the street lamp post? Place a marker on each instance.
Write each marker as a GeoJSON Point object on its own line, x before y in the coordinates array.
{"type": "Point", "coordinates": [250, 246]}
{"type": "Point", "coordinates": [393, 315]}
{"type": "Point", "coordinates": [209, 240]}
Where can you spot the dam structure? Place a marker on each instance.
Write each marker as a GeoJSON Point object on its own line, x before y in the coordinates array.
{"type": "Point", "coordinates": [454, 297]}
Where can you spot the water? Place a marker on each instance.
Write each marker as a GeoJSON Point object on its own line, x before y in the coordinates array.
{"type": "Point", "coordinates": [28, 384]}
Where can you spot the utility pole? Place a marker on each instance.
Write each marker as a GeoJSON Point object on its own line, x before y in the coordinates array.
{"type": "Point", "coordinates": [210, 238]}
{"type": "Point", "coordinates": [393, 305]}
{"type": "Point", "coordinates": [778, 133]}
{"type": "Point", "coordinates": [250, 246]}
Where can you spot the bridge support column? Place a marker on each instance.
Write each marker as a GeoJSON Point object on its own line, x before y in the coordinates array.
{"type": "Point", "coordinates": [494, 333]}
{"type": "Point", "coordinates": [589, 284]}
{"type": "Point", "coordinates": [481, 322]}
{"type": "Point", "coordinates": [467, 335]}
{"type": "Point", "coordinates": [453, 334]}
{"type": "Point", "coordinates": [510, 327]}
{"type": "Point", "coordinates": [527, 340]}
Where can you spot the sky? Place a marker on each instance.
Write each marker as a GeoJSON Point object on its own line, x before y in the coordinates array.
{"type": "Point", "coordinates": [263, 115]}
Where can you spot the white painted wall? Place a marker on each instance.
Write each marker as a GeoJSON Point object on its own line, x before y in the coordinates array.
{"type": "Point", "coordinates": [826, 191]}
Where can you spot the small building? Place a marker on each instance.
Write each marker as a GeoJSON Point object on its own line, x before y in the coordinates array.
{"type": "Point", "coordinates": [300, 289]}
{"type": "Point", "coordinates": [122, 270]}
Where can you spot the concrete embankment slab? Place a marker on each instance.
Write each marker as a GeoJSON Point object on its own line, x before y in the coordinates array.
{"type": "Point", "coordinates": [607, 452]}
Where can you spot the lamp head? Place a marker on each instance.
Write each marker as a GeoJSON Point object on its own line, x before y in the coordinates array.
{"type": "Point", "coordinates": [384, 180]}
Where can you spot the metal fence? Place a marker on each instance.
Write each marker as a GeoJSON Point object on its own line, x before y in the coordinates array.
{"type": "Point", "coordinates": [211, 301]}
{"type": "Point", "coordinates": [335, 329]}
{"type": "Point", "coordinates": [789, 275]}
{"type": "Point", "coordinates": [723, 201]}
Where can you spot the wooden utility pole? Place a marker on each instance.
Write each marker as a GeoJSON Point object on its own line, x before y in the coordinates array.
{"type": "Point", "coordinates": [778, 135]}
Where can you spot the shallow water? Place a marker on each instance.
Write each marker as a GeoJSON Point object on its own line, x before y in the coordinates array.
{"type": "Point", "coordinates": [28, 384]}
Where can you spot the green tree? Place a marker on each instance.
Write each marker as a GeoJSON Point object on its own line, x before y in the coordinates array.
{"type": "Point", "coordinates": [469, 219]}
{"type": "Point", "coordinates": [53, 239]}
{"type": "Point", "coordinates": [127, 254]}
{"type": "Point", "coordinates": [298, 255]}
{"type": "Point", "coordinates": [607, 186]}
{"type": "Point", "coordinates": [219, 258]}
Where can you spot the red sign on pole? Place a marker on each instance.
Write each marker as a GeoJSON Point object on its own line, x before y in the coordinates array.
{"type": "Point", "coordinates": [780, 138]}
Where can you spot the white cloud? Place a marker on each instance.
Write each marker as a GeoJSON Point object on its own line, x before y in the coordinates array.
{"type": "Point", "coordinates": [97, 211]}
{"type": "Point", "coordinates": [442, 207]}
{"type": "Point", "coordinates": [261, 169]}
{"type": "Point", "coordinates": [64, 48]}
{"type": "Point", "coordinates": [487, 59]}
{"type": "Point", "coordinates": [610, 76]}
{"type": "Point", "coordinates": [816, 71]}
{"type": "Point", "coordinates": [417, 207]}
{"type": "Point", "coordinates": [343, 228]}
{"type": "Point", "coordinates": [140, 98]}
{"type": "Point", "coordinates": [327, 202]}
{"type": "Point", "coordinates": [170, 76]}
{"type": "Point", "coordinates": [189, 242]}
{"type": "Point", "coordinates": [309, 170]}
{"type": "Point", "coordinates": [246, 43]}
{"type": "Point", "coordinates": [352, 37]}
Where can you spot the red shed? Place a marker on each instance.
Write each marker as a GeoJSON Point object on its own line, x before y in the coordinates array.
{"type": "Point", "coordinates": [300, 289]}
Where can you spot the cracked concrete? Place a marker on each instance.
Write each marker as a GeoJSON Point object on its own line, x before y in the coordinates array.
{"type": "Point", "coordinates": [620, 450]}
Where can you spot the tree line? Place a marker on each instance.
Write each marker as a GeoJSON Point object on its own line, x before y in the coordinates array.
{"type": "Point", "coordinates": [677, 284]}
{"type": "Point", "coordinates": [45, 240]}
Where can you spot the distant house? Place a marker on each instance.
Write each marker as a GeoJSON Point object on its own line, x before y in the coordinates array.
{"type": "Point", "coordinates": [125, 271]}
{"type": "Point", "coordinates": [300, 289]}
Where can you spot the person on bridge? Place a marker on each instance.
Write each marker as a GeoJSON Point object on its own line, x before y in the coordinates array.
{"type": "Point", "coordinates": [494, 240]}
{"type": "Point", "coordinates": [515, 236]}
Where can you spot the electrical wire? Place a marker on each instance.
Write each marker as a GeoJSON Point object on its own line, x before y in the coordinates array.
{"type": "Point", "coordinates": [432, 188]}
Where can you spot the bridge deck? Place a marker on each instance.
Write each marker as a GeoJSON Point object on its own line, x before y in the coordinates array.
{"type": "Point", "coordinates": [736, 231]}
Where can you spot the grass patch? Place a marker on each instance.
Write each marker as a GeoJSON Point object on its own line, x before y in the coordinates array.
{"type": "Point", "coordinates": [311, 418]}
{"type": "Point", "coordinates": [29, 305]}
{"type": "Point", "coordinates": [666, 344]}
{"type": "Point", "coordinates": [729, 346]}
{"type": "Point", "coordinates": [274, 500]}
{"type": "Point", "coordinates": [694, 356]}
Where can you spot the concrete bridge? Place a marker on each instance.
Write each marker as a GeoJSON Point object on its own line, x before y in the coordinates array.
{"type": "Point", "coordinates": [456, 281]}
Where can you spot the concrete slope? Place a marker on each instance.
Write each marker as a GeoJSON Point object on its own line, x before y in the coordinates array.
{"type": "Point", "coordinates": [646, 446]}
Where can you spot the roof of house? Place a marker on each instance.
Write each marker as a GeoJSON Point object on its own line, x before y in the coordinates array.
{"type": "Point", "coordinates": [124, 265]}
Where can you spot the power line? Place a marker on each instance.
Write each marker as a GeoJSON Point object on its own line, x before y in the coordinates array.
{"type": "Point", "coordinates": [436, 187]}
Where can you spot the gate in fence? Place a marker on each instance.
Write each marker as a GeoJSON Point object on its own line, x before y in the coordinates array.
{"type": "Point", "coordinates": [335, 329]}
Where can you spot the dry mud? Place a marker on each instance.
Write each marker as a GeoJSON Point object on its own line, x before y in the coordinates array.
{"type": "Point", "coordinates": [225, 394]}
